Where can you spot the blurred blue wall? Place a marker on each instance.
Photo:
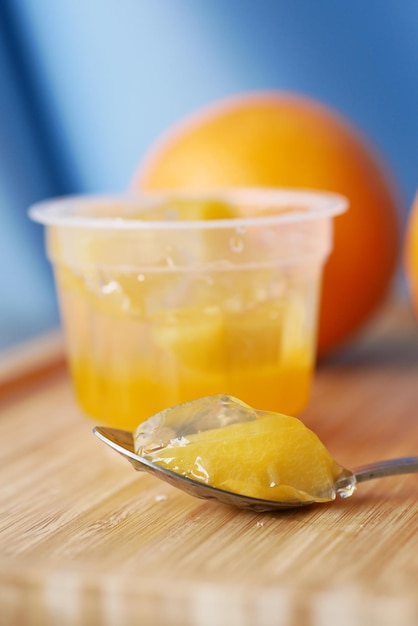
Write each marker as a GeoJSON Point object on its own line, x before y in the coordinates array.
{"type": "Point", "coordinates": [86, 85]}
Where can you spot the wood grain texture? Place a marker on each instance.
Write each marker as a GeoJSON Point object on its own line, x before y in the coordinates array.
{"type": "Point", "coordinates": [31, 360]}
{"type": "Point", "coordinates": [85, 540]}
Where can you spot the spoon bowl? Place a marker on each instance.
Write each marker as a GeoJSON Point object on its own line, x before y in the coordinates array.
{"type": "Point", "coordinates": [122, 442]}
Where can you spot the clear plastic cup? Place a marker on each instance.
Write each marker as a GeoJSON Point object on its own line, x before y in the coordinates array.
{"type": "Point", "coordinates": [170, 297]}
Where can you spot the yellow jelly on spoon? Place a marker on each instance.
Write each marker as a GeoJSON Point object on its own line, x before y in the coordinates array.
{"type": "Point", "coordinates": [220, 448]}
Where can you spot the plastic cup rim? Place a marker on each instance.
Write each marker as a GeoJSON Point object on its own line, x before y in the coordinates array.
{"type": "Point", "coordinates": [318, 204]}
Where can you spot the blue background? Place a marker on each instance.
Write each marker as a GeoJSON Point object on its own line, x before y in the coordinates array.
{"type": "Point", "coordinates": [87, 85]}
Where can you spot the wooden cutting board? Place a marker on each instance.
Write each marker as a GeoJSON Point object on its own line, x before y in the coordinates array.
{"type": "Point", "coordinates": [85, 540]}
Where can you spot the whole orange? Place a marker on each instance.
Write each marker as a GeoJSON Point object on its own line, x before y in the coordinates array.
{"type": "Point", "coordinates": [411, 253]}
{"type": "Point", "coordinates": [280, 139]}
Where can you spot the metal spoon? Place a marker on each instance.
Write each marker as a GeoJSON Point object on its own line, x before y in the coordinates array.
{"type": "Point", "coordinates": [345, 486]}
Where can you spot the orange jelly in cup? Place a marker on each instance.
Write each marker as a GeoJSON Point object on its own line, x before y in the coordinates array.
{"type": "Point", "coordinates": [166, 298]}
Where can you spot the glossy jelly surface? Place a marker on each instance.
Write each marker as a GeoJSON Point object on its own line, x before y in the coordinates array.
{"type": "Point", "coordinates": [225, 443]}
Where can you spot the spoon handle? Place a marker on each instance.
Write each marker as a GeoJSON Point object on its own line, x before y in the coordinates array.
{"type": "Point", "coordinates": [405, 465]}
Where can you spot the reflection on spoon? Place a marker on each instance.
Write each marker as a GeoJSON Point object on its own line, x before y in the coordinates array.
{"type": "Point", "coordinates": [188, 451]}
